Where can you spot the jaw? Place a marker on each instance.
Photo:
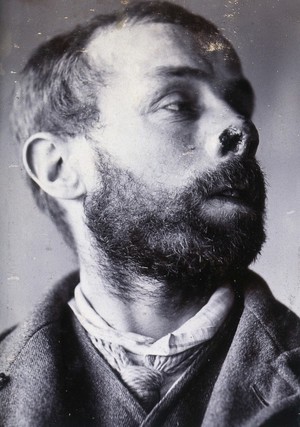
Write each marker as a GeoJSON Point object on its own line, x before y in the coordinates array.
{"type": "Point", "coordinates": [185, 242]}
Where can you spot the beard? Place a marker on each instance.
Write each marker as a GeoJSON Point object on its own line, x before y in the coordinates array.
{"type": "Point", "coordinates": [172, 236]}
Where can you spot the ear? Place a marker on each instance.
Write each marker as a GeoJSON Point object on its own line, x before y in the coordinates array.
{"type": "Point", "coordinates": [47, 161]}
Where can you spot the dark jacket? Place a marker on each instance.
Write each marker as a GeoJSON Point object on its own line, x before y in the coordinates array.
{"type": "Point", "coordinates": [51, 375]}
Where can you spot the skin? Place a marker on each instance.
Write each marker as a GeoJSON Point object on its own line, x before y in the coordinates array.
{"type": "Point", "coordinates": [161, 119]}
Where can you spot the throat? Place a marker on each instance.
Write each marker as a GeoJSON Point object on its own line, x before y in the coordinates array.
{"type": "Point", "coordinates": [156, 322]}
{"type": "Point", "coordinates": [152, 309]}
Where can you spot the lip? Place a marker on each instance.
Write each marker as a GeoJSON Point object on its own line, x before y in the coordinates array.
{"type": "Point", "coordinates": [233, 195]}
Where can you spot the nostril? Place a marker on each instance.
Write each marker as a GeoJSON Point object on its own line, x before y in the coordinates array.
{"type": "Point", "coordinates": [230, 140]}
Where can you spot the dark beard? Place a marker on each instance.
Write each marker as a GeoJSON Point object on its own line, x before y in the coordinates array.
{"type": "Point", "coordinates": [172, 237]}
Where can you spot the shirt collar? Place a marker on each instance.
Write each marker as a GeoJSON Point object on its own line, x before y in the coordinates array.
{"type": "Point", "coordinates": [198, 329]}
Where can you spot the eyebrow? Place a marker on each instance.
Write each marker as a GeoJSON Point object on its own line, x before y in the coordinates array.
{"type": "Point", "coordinates": [182, 72]}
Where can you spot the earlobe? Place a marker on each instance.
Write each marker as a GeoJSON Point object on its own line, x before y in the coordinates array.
{"type": "Point", "coordinates": [47, 161]}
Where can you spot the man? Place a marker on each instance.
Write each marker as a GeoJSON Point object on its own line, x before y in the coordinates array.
{"type": "Point", "coordinates": [137, 140]}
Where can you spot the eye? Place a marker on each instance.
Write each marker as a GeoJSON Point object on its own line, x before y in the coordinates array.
{"type": "Point", "coordinates": [180, 106]}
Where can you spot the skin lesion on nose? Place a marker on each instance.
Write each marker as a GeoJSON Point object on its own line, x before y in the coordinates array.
{"type": "Point", "coordinates": [241, 141]}
{"type": "Point", "coordinates": [230, 140]}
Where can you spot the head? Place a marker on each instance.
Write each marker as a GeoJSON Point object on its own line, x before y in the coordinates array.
{"type": "Point", "coordinates": [140, 122]}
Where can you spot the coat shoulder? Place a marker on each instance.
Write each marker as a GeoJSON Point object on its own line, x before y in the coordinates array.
{"type": "Point", "coordinates": [47, 312]}
{"type": "Point", "coordinates": [276, 320]}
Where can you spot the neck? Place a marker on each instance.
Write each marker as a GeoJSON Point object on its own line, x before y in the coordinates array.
{"type": "Point", "coordinates": [153, 312]}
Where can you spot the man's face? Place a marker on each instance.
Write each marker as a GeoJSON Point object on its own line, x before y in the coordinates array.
{"type": "Point", "coordinates": [171, 198]}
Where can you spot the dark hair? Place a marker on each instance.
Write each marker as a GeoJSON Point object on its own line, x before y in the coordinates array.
{"type": "Point", "coordinates": [56, 91]}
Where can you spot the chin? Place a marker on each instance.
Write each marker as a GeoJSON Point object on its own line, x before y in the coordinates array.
{"type": "Point", "coordinates": [194, 258]}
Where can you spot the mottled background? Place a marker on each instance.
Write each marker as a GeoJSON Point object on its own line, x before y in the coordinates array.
{"type": "Point", "coordinates": [266, 35]}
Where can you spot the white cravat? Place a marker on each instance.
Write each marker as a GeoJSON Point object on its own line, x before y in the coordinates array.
{"type": "Point", "coordinates": [143, 362]}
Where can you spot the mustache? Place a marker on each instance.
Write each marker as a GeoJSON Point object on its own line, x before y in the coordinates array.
{"type": "Point", "coordinates": [243, 177]}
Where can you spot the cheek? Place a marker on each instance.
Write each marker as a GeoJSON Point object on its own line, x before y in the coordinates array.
{"type": "Point", "coordinates": [169, 157]}
{"type": "Point", "coordinates": [161, 154]}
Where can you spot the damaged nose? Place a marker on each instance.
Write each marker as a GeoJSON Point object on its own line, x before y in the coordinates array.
{"type": "Point", "coordinates": [242, 140]}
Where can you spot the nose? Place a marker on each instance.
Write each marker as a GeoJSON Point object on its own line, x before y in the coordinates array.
{"type": "Point", "coordinates": [239, 140]}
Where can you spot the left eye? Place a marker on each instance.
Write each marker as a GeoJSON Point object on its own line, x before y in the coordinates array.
{"type": "Point", "coordinates": [176, 106]}
{"type": "Point", "coordinates": [182, 107]}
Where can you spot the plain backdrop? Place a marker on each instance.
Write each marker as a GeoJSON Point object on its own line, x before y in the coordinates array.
{"type": "Point", "coordinates": [266, 35]}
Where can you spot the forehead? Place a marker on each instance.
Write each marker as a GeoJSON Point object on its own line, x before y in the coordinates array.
{"type": "Point", "coordinates": [141, 49]}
